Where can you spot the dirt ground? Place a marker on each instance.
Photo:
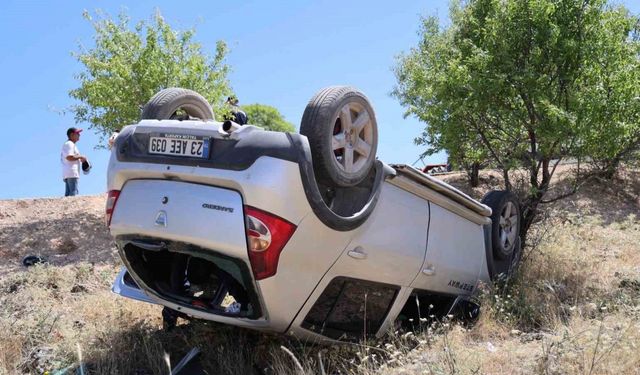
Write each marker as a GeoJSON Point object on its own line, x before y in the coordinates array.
{"type": "Point", "coordinates": [62, 230]}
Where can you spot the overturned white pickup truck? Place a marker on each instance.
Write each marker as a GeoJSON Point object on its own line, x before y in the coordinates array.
{"type": "Point", "coordinates": [306, 234]}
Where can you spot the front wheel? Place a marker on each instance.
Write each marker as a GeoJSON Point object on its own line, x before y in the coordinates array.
{"type": "Point", "coordinates": [505, 231]}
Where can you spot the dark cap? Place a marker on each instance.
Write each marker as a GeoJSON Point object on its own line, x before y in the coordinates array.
{"type": "Point", "coordinates": [73, 130]}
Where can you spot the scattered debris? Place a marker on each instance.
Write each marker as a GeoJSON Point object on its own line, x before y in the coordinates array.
{"type": "Point", "coordinates": [491, 348]}
{"type": "Point", "coordinates": [31, 260]}
{"type": "Point", "coordinates": [233, 308]}
{"type": "Point", "coordinates": [190, 364]}
{"type": "Point", "coordinates": [38, 360]}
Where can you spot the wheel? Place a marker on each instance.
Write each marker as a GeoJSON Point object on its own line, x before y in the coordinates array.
{"type": "Point", "coordinates": [343, 135]}
{"type": "Point", "coordinates": [505, 230]}
{"type": "Point", "coordinates": [169, 103]}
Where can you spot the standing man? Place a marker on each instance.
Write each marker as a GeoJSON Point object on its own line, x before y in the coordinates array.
{"type": "Point", "coordinates": [70, 158]}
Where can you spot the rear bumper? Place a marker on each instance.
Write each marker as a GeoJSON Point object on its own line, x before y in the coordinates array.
{"type": "Point", "coordinates": [129, 290]}
{"type": "Point", "coordinates": [125, 286]}
{"type": "Point", "coordinates": [119, 287]}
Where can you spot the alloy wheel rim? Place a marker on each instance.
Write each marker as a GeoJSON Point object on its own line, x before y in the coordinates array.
{"type": "Point", "coordinates": [508, 227]}
{"type": "Point", "coordinates": [352, 139]}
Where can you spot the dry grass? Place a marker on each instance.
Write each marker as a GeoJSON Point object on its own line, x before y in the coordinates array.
{"type": "Point", "coordinates": [574, 308]}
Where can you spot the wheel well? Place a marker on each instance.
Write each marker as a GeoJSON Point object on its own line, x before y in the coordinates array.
{"type": "Point", "coordinates": [424, 306]}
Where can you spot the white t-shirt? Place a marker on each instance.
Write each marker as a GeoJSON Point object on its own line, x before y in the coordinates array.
{"type": "Point", "coordinates": [70, 169]}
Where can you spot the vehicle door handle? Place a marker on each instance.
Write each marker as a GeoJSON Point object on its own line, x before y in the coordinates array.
{"type": "Point", "coordinates": [429, 270]}
{"type": "Point", "coordinates": [358, 253]}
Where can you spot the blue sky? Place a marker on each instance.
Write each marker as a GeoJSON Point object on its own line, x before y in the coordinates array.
{"type": "Point", "coordinates": [282, 52]}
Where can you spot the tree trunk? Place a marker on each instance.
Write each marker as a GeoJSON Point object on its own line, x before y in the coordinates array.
{"type": "Point", "coordinates": [530, 206]}
{"type": "Point", "coordinates": [474, 175]}
{"type": "Point", "coordinates": [529, 214]}
{"type": "Point", "coordinates": [530, 211]}
{"type": "Point", "coordinates": [611, 168]}
{"type": "Point", "coordinates": [507, 181]}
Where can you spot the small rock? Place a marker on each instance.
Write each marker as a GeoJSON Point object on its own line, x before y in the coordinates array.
{"type": "Point", "coordinates": [15, 286]}
{"type": "Point", "coordinates": [79, 289]}
{"type": "Point", "coordinates": [491, 348]}
{"type": "Point", "coordinates": [528, 337]}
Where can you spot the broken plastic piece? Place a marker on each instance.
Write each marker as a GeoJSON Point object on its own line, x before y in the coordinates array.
{"type": "Point", "coordinates": [189, 364]}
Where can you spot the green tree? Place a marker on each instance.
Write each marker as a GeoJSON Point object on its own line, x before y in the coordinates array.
{"type": "Point", "coordinates": [127, 66]}
{"type": "Point", "coordinates": [514, 79]}
{"type": "Point", "coordinates": [267, 117]}
{"type": "Point", "coordinates": [613, 103]}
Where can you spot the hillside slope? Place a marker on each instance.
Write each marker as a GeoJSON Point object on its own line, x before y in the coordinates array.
{"type": "Point", "coordinates": [64, 230]}
{"type": "Point", "coordinates": [574, 308]}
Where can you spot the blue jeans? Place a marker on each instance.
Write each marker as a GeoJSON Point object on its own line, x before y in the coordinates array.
{"type": "Point", "coordinates": [70, 186]}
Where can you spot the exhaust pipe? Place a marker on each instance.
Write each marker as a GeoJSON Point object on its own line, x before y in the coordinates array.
{"type": "Point", "coordinates": [229, 126]}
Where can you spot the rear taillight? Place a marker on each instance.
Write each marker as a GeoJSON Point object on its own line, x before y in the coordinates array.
{"type": "Point", "coordinates": [112, 199]}
{"type": "Point", "coordinates": [267, 235]}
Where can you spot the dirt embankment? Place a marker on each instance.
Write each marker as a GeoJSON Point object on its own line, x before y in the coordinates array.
{"type": "Point", "coordinates": [63, 230]}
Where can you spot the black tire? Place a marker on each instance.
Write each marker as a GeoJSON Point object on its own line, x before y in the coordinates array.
{"type": "Point", "coordinates": [505, 231]}
{"type": "Point", "coordinates": [165, 104]}
{"type": "Point", "coordinates": [323, 125]}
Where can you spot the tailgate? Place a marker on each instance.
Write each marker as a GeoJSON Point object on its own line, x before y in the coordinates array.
{"type": "Point", "coordinates": [206, 216]}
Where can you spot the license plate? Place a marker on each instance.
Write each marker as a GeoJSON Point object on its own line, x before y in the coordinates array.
{"type": "Point", "coordinates": [179, 145]}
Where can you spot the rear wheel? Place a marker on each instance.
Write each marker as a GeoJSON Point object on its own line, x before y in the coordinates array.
{"type": "Point", "coordinates": [505, 231]}
{"type": "Point", "coordinates": [177, 103]}
{"type": "Point", "coordinates": [343, 135]}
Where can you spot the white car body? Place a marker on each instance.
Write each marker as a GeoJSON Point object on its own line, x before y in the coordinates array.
{"type": "Point", "coordinates": [415, 236]}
